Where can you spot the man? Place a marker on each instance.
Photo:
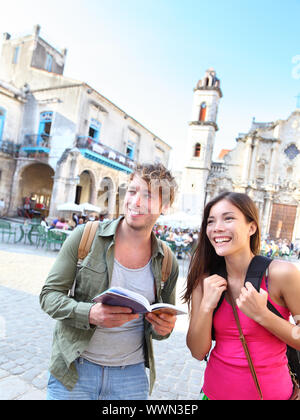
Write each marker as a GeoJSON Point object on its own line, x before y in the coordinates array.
{"type": "Point", "coordinates": [100, 351]}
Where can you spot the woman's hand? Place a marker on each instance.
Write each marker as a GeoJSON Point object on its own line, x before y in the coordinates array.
{"type": "Point", "coordinates": [213, 287]}
{"type": "Point", "coordinates": [252, 303]}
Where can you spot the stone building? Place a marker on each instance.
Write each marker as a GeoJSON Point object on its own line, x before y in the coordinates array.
{"type": "Point", "coordinates": [60, 139]}
{"type": "Point", "coordinates": [265, 164]}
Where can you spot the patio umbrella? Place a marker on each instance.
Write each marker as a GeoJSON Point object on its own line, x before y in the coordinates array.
{"type": "Point", "coordinates": [69, 207]}
{"type": "Point", "coordinates": [89, 207]}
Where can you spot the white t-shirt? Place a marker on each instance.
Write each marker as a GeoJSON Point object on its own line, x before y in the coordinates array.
{"type": "Point", "coordinates": [123, 345]}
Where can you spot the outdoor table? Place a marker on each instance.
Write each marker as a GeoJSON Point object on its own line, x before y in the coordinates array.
{"type": "Point", "coordinates": [27, 230]}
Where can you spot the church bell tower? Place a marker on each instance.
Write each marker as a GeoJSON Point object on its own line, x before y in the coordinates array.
{"type": "Point", "coordinates": [201, 137]}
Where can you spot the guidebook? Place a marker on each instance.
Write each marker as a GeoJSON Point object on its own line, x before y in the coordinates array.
{"type": "Point", "coordinates": [118, 296]}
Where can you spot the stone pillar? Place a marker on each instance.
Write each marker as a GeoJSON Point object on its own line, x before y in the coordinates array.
{"type": "Point", "coordinates": [267, 214]}
{"type": "Point", "coordinates": [246, 167]}
{"type": "Point", "coordinates": [273, 176]}
{"type": "Point", "coordinates": [253, 160]}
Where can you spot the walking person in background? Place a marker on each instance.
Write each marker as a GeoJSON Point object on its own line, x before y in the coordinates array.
{"type": "Point", "coordinates": [101, 351]}
{"type": "Point", "coordinates": [2, 207]}
{"type": "Point", "coordinates": [230, 234]}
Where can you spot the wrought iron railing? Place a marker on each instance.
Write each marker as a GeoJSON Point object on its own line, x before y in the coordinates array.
{"type": "Point", "coordinates": [37, 140]}
{"type": "Point", "coordinates": [85, 142]}
{"type": "Point", "coordinates": [9, 147]}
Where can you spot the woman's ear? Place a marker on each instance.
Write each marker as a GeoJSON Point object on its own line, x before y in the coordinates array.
{"type": "Point", "coordinates": [252, 228]}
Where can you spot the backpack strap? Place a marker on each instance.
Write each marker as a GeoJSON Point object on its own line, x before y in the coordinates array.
{"type": "Point", "coordinates": [167, 262]}
{"type": "Point", "coordinates": [257, 269]}
{"type": "Point", "coordinates": [85, 244]}
{"type": "Point", "coordinates": [254, 275]}
{"type": "Point", "coordinates": [87, 238]}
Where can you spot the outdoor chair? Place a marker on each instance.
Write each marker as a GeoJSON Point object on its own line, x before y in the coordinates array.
{"type": "Point", "coordinates": [41, 236]}
{"type": "Point", "coordinates": [8, 230]}
{"type": "Point", "coordinates": [56, 238]}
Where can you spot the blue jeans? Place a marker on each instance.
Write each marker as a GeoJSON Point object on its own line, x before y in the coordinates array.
{"type": "Point", "coordinates": [98, 382]}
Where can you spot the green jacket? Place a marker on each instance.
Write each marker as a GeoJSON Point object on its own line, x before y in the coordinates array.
{"type": "Point", "coordinates": [73, 331]}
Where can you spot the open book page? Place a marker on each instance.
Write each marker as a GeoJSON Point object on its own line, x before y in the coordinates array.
{"type": "Point", "coordinates": [166, 308]}
{"type": "Point", "coordinates": [118, 296]}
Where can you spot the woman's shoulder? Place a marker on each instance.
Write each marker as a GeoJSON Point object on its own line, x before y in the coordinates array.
{"type": "Point", "coordinates": [286, 271]}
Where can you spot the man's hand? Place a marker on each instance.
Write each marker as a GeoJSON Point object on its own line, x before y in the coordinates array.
{"type": "Point", "coordinates": [110, 316]}
{"type": "Point", "coordinates": [162, 324]}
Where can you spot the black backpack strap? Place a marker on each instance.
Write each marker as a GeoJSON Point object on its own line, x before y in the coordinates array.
{"type": "Point", "coordinates": [257, 269]}
{"type": "Point", "coordinates": [255, 273]}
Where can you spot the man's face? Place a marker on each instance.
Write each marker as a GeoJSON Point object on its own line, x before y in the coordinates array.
{"type": "Point", "coordinates": [142, 204]}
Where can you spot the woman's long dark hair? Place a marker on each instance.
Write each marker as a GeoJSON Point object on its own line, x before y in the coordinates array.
{"type": "Point", "coordinates": [205, 260]}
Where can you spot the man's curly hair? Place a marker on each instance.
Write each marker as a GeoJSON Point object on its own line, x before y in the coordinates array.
{"type": "Point", "coordinates": [157, 175]}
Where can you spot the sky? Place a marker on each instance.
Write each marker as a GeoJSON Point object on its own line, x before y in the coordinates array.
{"type": "Point", "coordinates": [146, 56]}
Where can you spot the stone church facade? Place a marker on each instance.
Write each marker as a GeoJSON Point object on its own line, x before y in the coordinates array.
{"type": "Point", "coordinates": [265, 164]}
{"type": "Point", "coordinates": [61, 140]}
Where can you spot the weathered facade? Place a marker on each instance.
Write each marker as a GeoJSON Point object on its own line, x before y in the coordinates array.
{"type": "Point", "coordinates": [61, 140]}
{"type": "Point", "coordinates": [264, 164]}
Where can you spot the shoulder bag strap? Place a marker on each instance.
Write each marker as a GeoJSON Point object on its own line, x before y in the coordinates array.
{"type": "Point", "coordinates": [87, 238]}
{"type": "Point", "coordinates": [85, 244]}
{"type": "Point", "coordinates": [244, 343]}
{"type": "Point", "coordinates": [167, 263]}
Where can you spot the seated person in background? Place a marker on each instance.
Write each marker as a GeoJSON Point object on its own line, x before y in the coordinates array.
{"type": "Point", "coordinates": [62, 224]}
{"type": "Point", "coordinates": [44, 223]}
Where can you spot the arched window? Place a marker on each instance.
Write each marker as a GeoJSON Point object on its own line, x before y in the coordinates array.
{"type": "Point", "coordinates": [197, 150]}
{"type": "Point", "coordinates": [202, 113]}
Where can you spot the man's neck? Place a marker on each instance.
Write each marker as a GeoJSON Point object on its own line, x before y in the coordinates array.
{"type": "Point", "coordinates": [129, 234]}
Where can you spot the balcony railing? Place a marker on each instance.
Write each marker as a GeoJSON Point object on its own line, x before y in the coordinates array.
{"type": "Point", "coordinates": [106, 155]}
{"type": "Point", "coordinates": [37, 140]}
{"type": "Point", "coordinates": [36, 145]}
{"type": "Point", "coordinates": [218, 168]}
{"type": "Point", "coordinates": [9, 147]}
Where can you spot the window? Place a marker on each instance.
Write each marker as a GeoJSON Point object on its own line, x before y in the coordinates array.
{"type": "Point", "coordinates": [130, 149]}
{"type": "Point", "coordinates": [49, 61]}
{"type": "Point", "coordinates": [197, 150]}
{"type": "Point", "coordinates": [44, 128]}
{"type": "Point", "coordinates": [94, 130]}
{"type": "Point", "coordinates": [16, 55]}
{"type": "Point", "coordinates": [291, 151]}
{"type": "Point", "coordinates": [202, 113]}
{"type": "Point", "coordinates": [2, 119]}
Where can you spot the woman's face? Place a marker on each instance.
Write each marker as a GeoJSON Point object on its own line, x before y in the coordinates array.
{"type": "Point", "coordinates": [228, 230]}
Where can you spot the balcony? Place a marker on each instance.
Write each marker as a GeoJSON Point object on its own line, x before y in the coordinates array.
{"type": "Point", "coordinates": [36, 145]}
{"type": "Point", "coordinates": [9, 147]}
{"type": "Point", "coordinates": [100, 153]}
{"type": "Point", "coordinates": [218, 168]}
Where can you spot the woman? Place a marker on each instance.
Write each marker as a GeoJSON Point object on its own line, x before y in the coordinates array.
{"type": "Point", "coordinates": [230, 233]}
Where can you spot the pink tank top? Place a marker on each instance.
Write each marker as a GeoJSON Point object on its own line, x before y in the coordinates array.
{"type": "Point", "coordinates": [227, 375]}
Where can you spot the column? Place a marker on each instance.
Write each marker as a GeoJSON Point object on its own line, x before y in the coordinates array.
{"type": "Point", "coordinates": [245, 176]}
{"type": "Point", "coordinates": [266, 214]}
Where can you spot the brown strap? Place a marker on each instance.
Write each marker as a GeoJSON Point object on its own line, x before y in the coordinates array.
{"type": "Point", "coordinates": [244, 343]}
{"type": "Point", "coordinates": [87, 238]}
{"type": "Point", "coordinates": [167, 263]}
